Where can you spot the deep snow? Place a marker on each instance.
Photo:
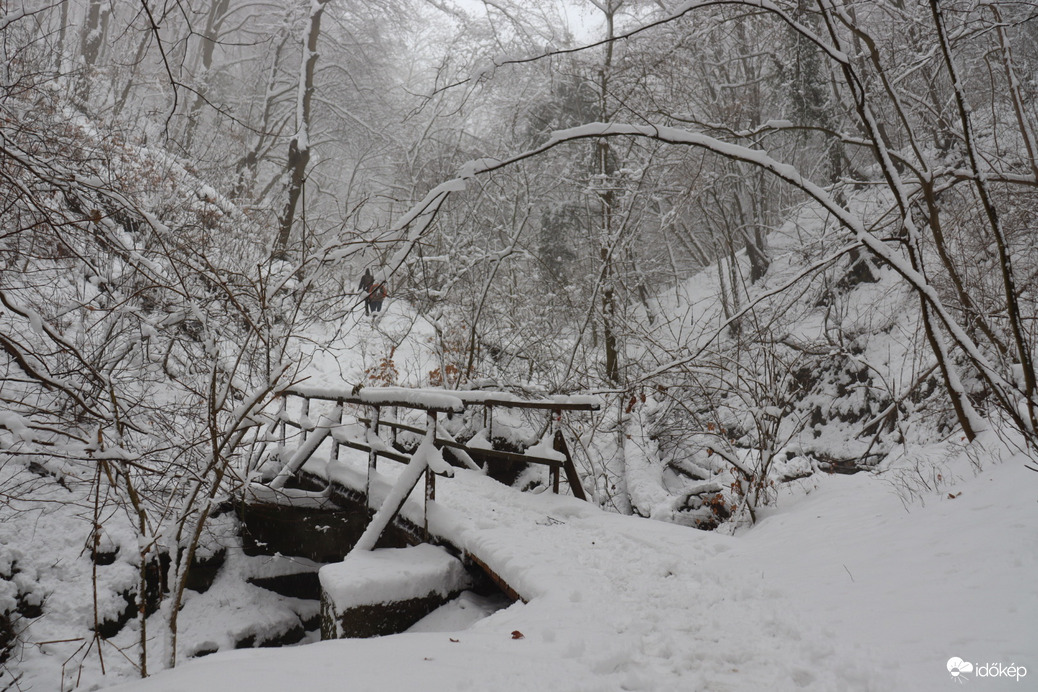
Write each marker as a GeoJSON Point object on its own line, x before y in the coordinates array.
{"type": "Point", "coordinates": [850, 583]}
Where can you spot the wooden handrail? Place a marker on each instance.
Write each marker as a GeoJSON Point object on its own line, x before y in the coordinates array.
{"type": "Point", "coordinates": [441, 402]}
{"type": "Point", "coordinates": [449, 401]}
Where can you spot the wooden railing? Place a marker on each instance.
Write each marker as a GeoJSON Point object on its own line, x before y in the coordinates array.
{"type": "Point", "coordinates": [433, 403]}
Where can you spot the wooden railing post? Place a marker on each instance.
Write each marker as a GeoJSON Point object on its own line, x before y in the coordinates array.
{"type": "Point", "coordinates": [334, 454]}
{"type": "Point", "coordinates": [372, 435]}
{"type": "Point", "coordinates": [430, 477]}
{"type": "Point", "coordinates": [282, 415]}
{"type": "Point", "coordinates": [556, 417]}
{"type": "Point", "coordinates": [559, 445]}
{"type": "Point", "coordinates": [304, 413]}
{"type": "Point", "coordinates": [488, 423]}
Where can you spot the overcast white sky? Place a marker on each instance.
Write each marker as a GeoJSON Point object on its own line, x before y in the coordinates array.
{"type": "Point", "coordinates": [582, 17]}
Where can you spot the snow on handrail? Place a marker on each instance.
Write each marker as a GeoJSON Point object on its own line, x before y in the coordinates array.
{"type": "Point", "coordinates": [444, 400]}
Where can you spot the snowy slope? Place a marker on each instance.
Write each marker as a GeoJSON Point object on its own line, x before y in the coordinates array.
{"type": "Point", "coordinates": [854, 585]}
{"type": "Point", "coordinates": [908, 587]}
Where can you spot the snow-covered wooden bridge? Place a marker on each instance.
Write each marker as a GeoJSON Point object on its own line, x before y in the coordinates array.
{"type": "Point", "coordinates": [327, 444]}
{"type": "Point", "coordinates": [616, 602]}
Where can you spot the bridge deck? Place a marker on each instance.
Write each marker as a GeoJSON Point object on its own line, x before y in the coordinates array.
{"type": "Point", "coordinates": [513, 534]}
{"type": "Point", "coordinates": [646, 593]}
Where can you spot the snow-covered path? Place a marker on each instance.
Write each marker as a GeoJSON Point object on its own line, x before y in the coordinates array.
{"type": "Point", "coordinates": [638, 602]}
{"type": "Point", "coordinates": [842, 589]}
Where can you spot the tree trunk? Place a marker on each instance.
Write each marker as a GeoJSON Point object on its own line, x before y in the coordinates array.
{"type": "Point", "coordinates": [210, 36]}
{"type": "Point", "coordinates": [299, 146]}
{"type": "Point", "coordinates": [92, 40]}
{"type": "Point", "coordinates": [606, 169]}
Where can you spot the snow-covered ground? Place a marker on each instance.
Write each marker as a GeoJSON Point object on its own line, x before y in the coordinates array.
{"type": "Point", "coordinates": [866, 582]}
{"type": "Point", "coordinates": [849, 583]}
